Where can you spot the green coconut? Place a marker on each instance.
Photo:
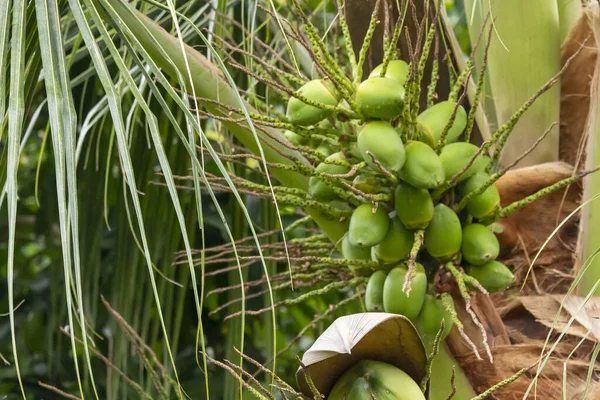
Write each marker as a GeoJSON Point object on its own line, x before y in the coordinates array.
{"type": "Point", "coordinates": [479, 244]}
{"type": "Point", "coordinates": [396, 245]}
{"type": "Point", "coordinates": [396, 69]}
{"type": "Point", "coordinates": [369, 379]}
{"type": "Point", "coordinates": [414, 206]}
{"type": "Point", "coordinates": [432, 314]}
{"type": "Point", "coordinates": [456, 156]}
{"type": "Point", "coordinates": [422, 167]}
{"type": "Point", "coordinates": [295, 139]}
{"type": "Point", "coordinates": [374, 292]}
{"type": "Point", "coordinates": [435, 118]}
{"type": "Point", "coordinates": [317, 187]}
{"type": "Point", "coordinates": [484, 204]}
{"type": "Point", "coordinates": [321, 91]}
{"type": "Point", "coordinates": [381, 139]}
{"type": "Point", "coordinates": [396, 301]}
{"type": "Point", "coordinates": [493, 276]}
{"type": "Point", "coordinates": [443, 236]}
{"type": "Point", "coordinates": [351, 252]}
{"type": "Point", "coordinates": [381, 98]}
{"type": "Point", "coordinates": [367, 183]}
{"type": "Point", "coordinates": [367, 227]}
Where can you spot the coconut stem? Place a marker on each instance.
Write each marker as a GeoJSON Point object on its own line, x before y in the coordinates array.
{"type": "Point", "coordinates": [379, 197]}
{"type": "Point", "coordinates": [452, 384]}
{"type": "Point", "coordinates": [462, 287]}
{"type": "Point", "coordinates": [300, 299]}
{"type": "Point", "coordinates": [435, 68]}
{"type": "Point", "coordinates": [412, 258]}
{"type": "Point", "coordinates": [442, 141]}
{"type": "Point", "coordinates": [319, 51]}
{"type": "Point", "coordinates": [479, 89]}
{"type": "Point", "coordinates": [434, 352]}
{"type": "Point", "coordinates": [416, 93]}
{"type": "Point", "coordinates": [475, 283]}
{"type": "Point", "coordinates": [448, 304]}
{"type": "Point", "coordinates": [309, 381]}
{"type": "Point", "coordinates": [382, 168]}
{"type": "Point", "coordinates": [233, 372]}
{"type": "Point", "coordinates": [503, 383]}
{"type": "Point", "coordinates": [541, 193]}
{"type": "Point", "coordinates": [347, 37]}
{"type": "Point", "coordinates": [392, 46]}
{"type": "Point", "coordinates": [362, 54]}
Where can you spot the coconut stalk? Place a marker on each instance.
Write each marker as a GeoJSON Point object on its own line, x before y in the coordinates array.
{"type": "Point", "coordinates": [475, 20]}
{"type": "Point", "coordinates": [589, 226]}
{"type": "Point", "coordinates": [524, 54]}
{"type": "Point", "coordinates": [208, 82]}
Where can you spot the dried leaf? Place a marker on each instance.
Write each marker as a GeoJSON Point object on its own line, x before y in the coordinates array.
{"type": "Point", "coordinates": [545, 308]}
{"type": "Point", "coordinates": [575, 86]}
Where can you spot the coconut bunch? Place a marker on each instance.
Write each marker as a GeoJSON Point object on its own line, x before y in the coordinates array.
{"type": "Point", "coordinates": [418, 198]}
{"type": "Point", "coordinates": [425, 201]}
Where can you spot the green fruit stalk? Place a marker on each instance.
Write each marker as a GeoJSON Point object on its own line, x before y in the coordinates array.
{"type": "Point", "coordinates": [369, 379]}
{"type": "Point", "coordinates": [432, 314]}
{"type": "Point", "coordinates": [396, 245]}
{"type": "Point", "coordinates": [368, 228]}
{"type": "Point", "coordinates": [479, 244]}
{"type": "Point", "coordinates": [321, 91]}
{"type": "Point", "coordinates": [381, 139]}
{"type": "Point", "coordinates": [493, 276]}
{"type": "Point", "coordinates": [435, 118]}
{"type": "Point", "coordinates": [443, 236]}
{"type": "Point", "coordinates": [374, 292]}
{"type": "Point", "coordinates": [413, 206]}
{"type": "Point", "coordinates": [396, 301]}
{"type": "Point", "coordinates": [422, 168]}
{"type": "Point", "coordinates": [381, 98]}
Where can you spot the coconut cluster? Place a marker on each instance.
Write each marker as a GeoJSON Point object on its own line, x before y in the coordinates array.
{"type": "Point", "coordinates": [423, 170]}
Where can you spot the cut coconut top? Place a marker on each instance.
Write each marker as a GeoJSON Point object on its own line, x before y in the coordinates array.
{"type": "Point", "coordinates": [389, 338]}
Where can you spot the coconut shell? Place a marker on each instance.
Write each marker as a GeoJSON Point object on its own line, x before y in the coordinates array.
{"type": "Point", "coordinates": [381, 337]}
